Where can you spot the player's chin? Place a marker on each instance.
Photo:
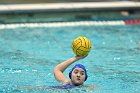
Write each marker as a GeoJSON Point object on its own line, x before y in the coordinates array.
{"type": "Point", "coordinates": [78, 83]}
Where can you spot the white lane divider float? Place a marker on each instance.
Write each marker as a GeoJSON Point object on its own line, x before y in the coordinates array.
{"type": "Point", "coordinates": [61, 24]}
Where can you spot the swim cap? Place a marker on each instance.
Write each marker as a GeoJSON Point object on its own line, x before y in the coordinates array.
{"type": "Point", "coordinates": [79, 66]}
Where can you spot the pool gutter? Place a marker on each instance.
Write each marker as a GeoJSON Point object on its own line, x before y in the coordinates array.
{"type": "Point", "coordinates": [69, 7]}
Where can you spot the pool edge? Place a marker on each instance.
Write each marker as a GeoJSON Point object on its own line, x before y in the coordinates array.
{"type": "Point", "coordinates": [69, 7]}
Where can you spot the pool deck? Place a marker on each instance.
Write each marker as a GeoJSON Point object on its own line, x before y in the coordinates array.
{"type": "Point", "coordinates": [68, 7]}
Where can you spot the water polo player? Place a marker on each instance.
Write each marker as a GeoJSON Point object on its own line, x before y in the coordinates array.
{"type": "Point", "coordinates": [77, 75]}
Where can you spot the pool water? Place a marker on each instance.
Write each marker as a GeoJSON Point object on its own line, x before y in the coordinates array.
{"type": "Point", "coordinates": [28, 56]}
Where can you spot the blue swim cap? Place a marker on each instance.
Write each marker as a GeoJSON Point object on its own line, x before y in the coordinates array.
{"type": "Point", "coordinates": [79, 66]}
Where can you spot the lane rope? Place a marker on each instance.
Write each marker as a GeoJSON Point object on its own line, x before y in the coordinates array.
{"type": "Point", "coordinates": [70, 24]}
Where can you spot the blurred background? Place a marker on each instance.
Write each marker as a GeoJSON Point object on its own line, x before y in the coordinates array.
{"type": "Point", "coordinates": [53, 1]}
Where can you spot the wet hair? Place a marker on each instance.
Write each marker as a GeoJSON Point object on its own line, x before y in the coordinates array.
{"type": "Point", "coordinates": [79, 66]}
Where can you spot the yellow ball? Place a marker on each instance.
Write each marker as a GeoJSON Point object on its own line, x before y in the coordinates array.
{"type": "Point", "coordinates": [81, 46]}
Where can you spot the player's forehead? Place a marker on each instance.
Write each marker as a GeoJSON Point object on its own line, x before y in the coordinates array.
{"type": "Point", "coordinates": [79, 69]}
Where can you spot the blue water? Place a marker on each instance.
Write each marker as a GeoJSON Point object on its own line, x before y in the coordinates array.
{"type": "Point", "coordinates": [28, 56]}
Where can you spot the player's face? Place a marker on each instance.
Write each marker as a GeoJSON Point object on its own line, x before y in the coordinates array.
{"type": "Point", "coordinates": [78, 76]}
